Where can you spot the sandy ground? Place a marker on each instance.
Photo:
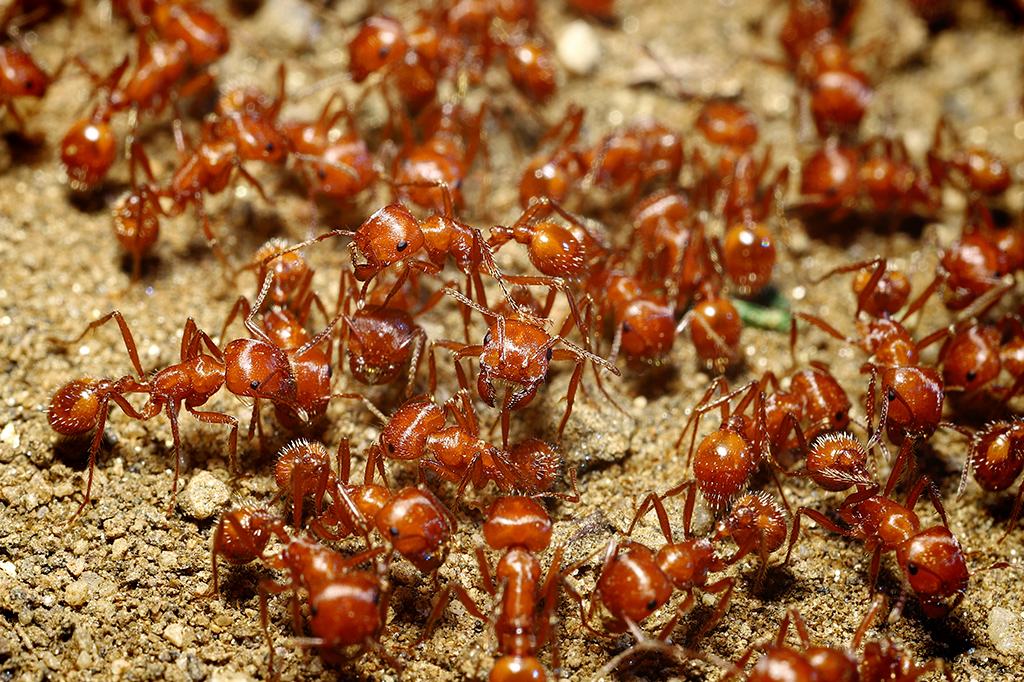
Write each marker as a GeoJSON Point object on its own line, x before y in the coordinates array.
{"type": "Point", "coordinates": [114, 595]}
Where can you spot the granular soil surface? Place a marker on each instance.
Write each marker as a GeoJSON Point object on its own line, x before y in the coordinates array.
{"type": "Point", "coordinates": [115, 595]}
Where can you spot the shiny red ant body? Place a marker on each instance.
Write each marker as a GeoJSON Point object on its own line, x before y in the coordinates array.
{"type": "Point", "coordinates": [514, 359]}
{"type": "Point", "coordinates": [635, 582]}
{"type": "Point", "coordinates": [82, 404]}
{"type": "Point", "coordinates": [519, 527]}
{"type": "Point", "coordinates": [880, 660]}
{"type": "Point", "coordinates": [20, 76]}
{"type": "Point", "coordinates": [972, 169]}
{"type": "Point", "coordinates": [931, 562]}
{"type": "Point", "coordinates": [555, 175]}
{"type": "Point", "coordinates": [996, 459]}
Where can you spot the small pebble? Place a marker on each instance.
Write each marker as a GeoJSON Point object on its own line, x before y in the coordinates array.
{"type": "Point", "coordinates": [1006, 630]}
{"type": "Point", "coordinates": [177, 634]}
{"type": "Point", "coordinates": [578, 48]}
{"type": "Point", "coordinates": [203, 496]}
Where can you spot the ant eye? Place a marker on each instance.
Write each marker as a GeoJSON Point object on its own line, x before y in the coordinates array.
{"type": "Point", "coordinates": [891, 394]}
{"type": "Point", "coordinates": [394, 531]}
{"type": "Point", "coordinates": [29, 84]}
{"type": "Point", "coordinates": [653, 604]}
{"type": "Point", "coordinates": [383, 52]}
{"type": "Point", "coordinates": [972, 375]}
{"type": "Point", "coordinates": [391, 448]}
{"type": "Point", "coordinates": [551, 353]}
{"type": "Point", "coordinates": [840, 416]}
{"type": "Point", "coordinates": [626, 327]}
{"type": "Point", "coordinates": [912, 569]}
{"type": "Point", "coordinates": [254, 385]}
{"type": "Point", "coordinates": [270, 146]}
{"type": "Point", "coordinates": [487, 338]}
{"type": "Point", "coordinates": [313, 610]}
{"type": "Point", "coordinates": [322, 174]}
{"type": "Point", "coordinates": [401, 246]}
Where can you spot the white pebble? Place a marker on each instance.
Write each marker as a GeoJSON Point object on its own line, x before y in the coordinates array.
{"type": "Point", "coordinates": [578, 48]}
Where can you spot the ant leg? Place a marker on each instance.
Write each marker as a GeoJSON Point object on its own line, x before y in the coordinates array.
{"type": "Point", "coordinates": [211, 239]}
{"type": "Point", "coordinates": [126, 334]}
{"type": "Point", "coordinates": [726, 586]}
{"type": "Point", "coordinates": [219, 418]}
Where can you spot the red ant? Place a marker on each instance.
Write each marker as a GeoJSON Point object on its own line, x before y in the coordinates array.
{"type": "Point", "coordinates": [635, 155]}
{"type": "Point", "coordinates": [881, 660]}
{"type": "Point", "coordinates": [382, 45]}
{"type": "Point", "coordinates": [930, 560]}
{"type": "Point", "coordinates": [912, 395]}
{"type": "Point", "coordinates": [973, 169]}
{"type": "Point", "coordinates": [996, 459]}
{"type": "Point", "coordinates": [457, 454]}
{"type": "Point", "coordinates": [531, 65]}
{"type": "Point", "coordinates": [635, 581]}
{"type": "Point", "coordinates": [642, 318]}
{"type": "Point", "coordinates": [248, 117]}
{"type": "Point", "coordinates": [557, 174]}
{"type": "Point", "coordinates": [348, 606]}
{"type": "Point", "coordinates": [514, 359]}
{"type": "Point", "coordinates": [715, 327]}
{"type": "Point", "coordinates": [89, 148]}
{"type": "Point", "coordinates": [340, 168]}
{"type": "Point", "coordinates": [727, 458]}
{"type": "Point", "coordinates": [20, 76]}
{"type": "Point", "coordinates": [425, 174]}
{"type": "Point", "coordinates": [520, 528]}
{"type": "Point", "coordinates": [241, 537]}
{"type": "Point", "coordinates": [81, 404]}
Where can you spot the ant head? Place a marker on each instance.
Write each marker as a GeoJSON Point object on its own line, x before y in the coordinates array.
{"type": "Point", "coordinates": [632, 585]}
{"type": "Point", "coordinates": [259, 369]}
{"type": "Point", "coordinates": [380, 42]}
{"type": "Point", "coordinates": [517, 522]}
{"type": "Point", "coordinates": [390, 235]}
{"type": "Point", "coordinates": [417, 524]}
{"type": "Point", "coordinates": [935, 568]}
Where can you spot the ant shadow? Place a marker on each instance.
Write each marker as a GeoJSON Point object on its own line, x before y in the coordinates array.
{"type": "Point", "coordinates": [25, 150]}
{"type": "Point", "coordinates": [845, 232]}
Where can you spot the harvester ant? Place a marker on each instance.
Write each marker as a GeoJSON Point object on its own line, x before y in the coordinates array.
{"type": "Point", "coordinates": [880, 659]}
{"type": "Point", "coordinates": [931, 561]}
{"type": "Point", "coordinates": [996, 460]}
{"type": "Point", "coordinates": [514, 359]}
{"type": "Point", "coordinates": [520, 528]}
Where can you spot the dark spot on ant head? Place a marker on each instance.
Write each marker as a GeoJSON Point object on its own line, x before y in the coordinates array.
{"type": "Point", "coordinates": [330, 372]}
{"type": "Point", "coordinates": [891, 394]}
{"type": "Point", "coordinates": [551, 353]}
{"type": "Point", "coordinates": [270, 147]}
{"type": "Point", "coordinates": [322, 174]}
{"type": "Point", "coordinates": [383, 52]}
{"type": "Point", "coordinates": [457, 184]}
{"type": "Point", "coordinates": [254, 385]}
{"type": "Point", "coordinates": [401, 246]}
{"type": "Point", "coordinates": [394, 531]}
{"type": "Point", "coordinates": [29, 84]}
{"type": "Point", "coordinates": [912, 569]}
{"type": "Point", "coordinates": [840, 416]}
{"type": "Point", "coordinates": [653, 604]}
{"type": "Point", "coordinates": [313, 610]}
{"type": "Point", "coordinates": [487, 337]}
{"type": "Point", "coordinates": [972, 375]}
{"type": "Point", "coordinates": [626, 327]}
{"type": "Point", "coordinates": [391, 448]}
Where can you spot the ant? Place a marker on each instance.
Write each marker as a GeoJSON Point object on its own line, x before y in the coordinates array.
{"type": "Point", "coordinates": [241, 537]}
{"type": "Point", "coordinates": [458, 455]}
{"type": "Point", "coordinates": [514, 359]}
{"type": "Point", "coordinates": [339, 167]}
{"type": "Point", "coordinates": [383, 45]}
{"type": "Point", "coordinates": [348, 606]}
{"type": "Point", "coordinates": [557, 174]}
{"type": "Point", "coordinates": [635, 155]}
{"type": "Point", "coordinates": [81, 404]}
{"type": "Point", "coordinates": [727, 458]}
{"type": "Point", "coordinates": [973, 169]}
{"type": "Point", "coordinates": [931, 561]}
{"type": "Point", "coordinates": [519, 527]}
{"type": "Point", "coordinates": [20, 76]}
{"type": "Point", "coordinates": [880, 659]}
{"type": "Point", "coordinates": [715, 327]}
{"type": "Point", "coordinates": [996, 459]}
{"type": "Point", "coordinates": [426, 174]}
{"type": "Point", "coordinates": [247, 116]}
{"type": "Point", "coordinates": [635, 581]}
{"type": "Point", "coordinates": [642, 319]}
{"type": "Point", "coordinates": [912, 394]}
{"type": "Point", "coordinates": [89, 148]}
